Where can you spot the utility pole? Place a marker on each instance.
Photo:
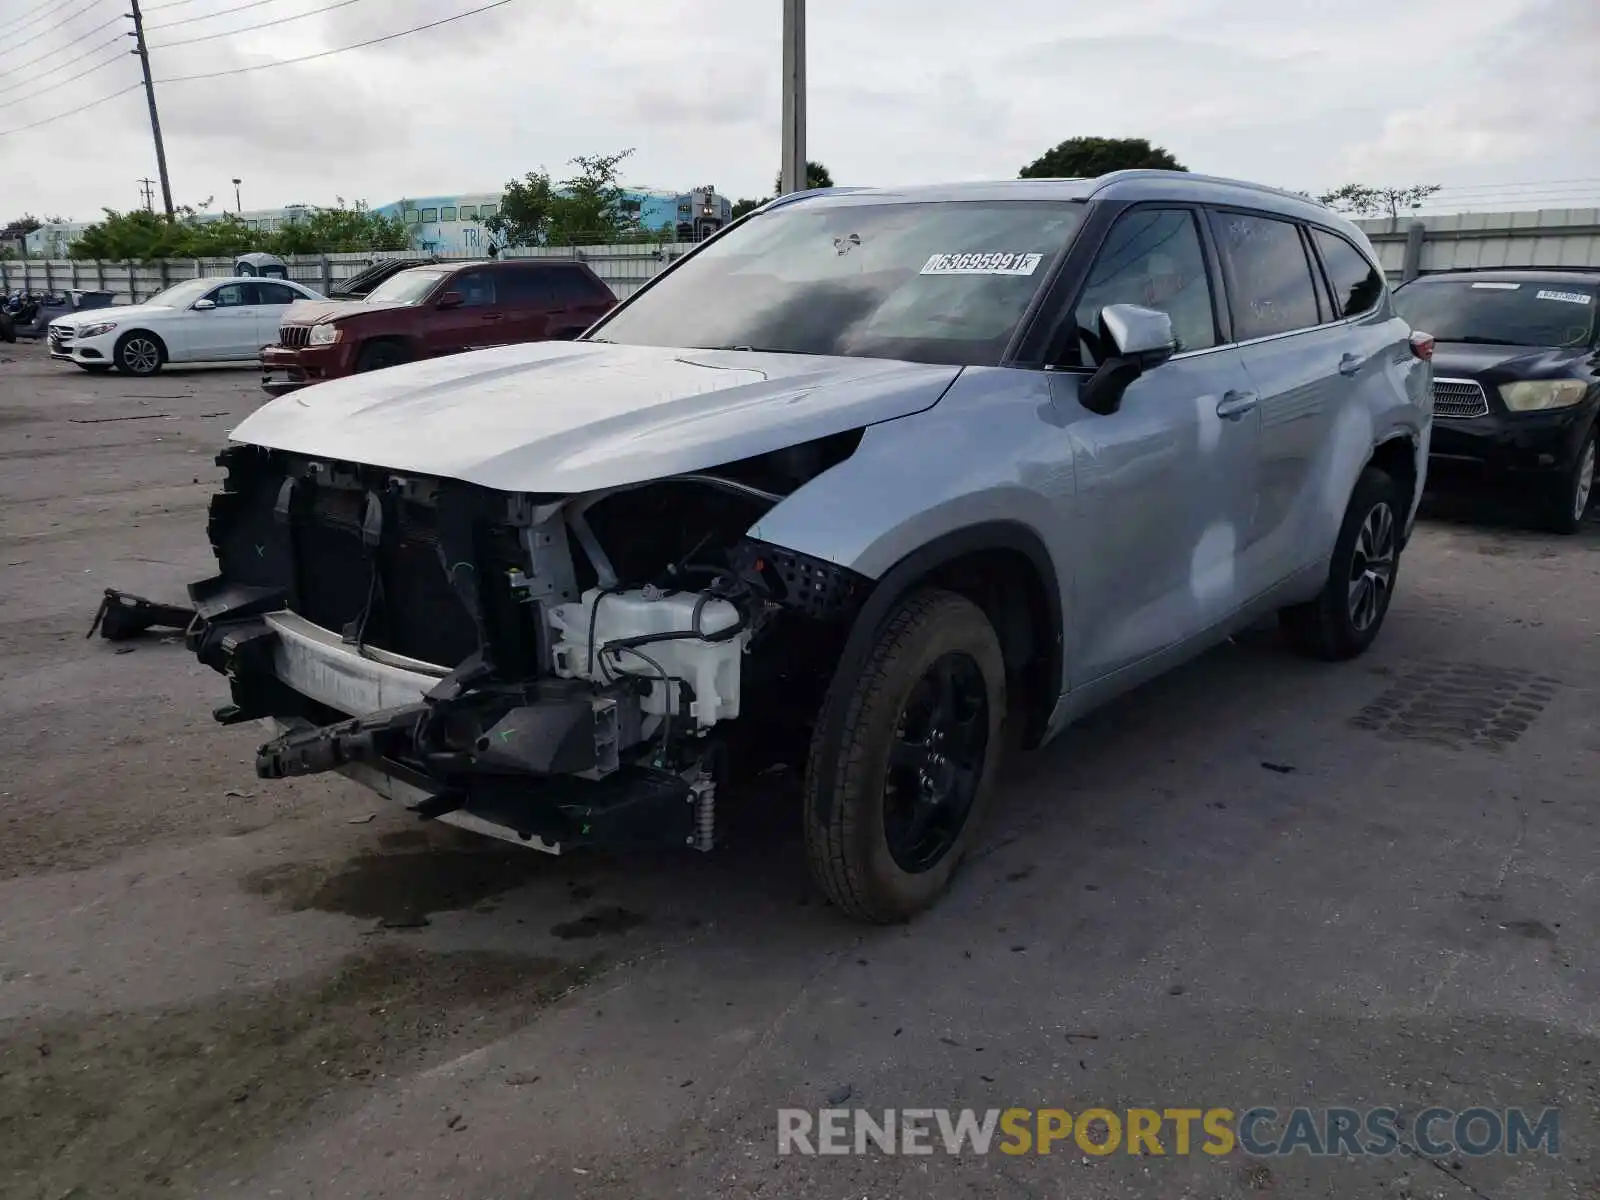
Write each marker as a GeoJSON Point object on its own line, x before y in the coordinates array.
{"type": "Point", "coordinates": [794, 96]}
{"type": "Point", "coordinates": [143, 52]}
{"type": "Point", "coordinates": [237, 202]}
{"type": "Point", "coordinates": [146, 187]}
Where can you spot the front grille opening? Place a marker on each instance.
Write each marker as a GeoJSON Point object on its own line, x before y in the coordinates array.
{"type": "Point", "coordinates": [1459, 398]}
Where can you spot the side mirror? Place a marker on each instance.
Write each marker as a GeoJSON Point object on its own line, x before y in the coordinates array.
{"type": "Point", "coordinates": [452, 300]}
{"type": "Point", "coordinates": [204, 305]}
{"type": "Point", "coordinates": [1139, 340]}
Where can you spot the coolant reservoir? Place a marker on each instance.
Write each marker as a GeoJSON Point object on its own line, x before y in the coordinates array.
{"type": "Point", "coordinates": [711, 669]}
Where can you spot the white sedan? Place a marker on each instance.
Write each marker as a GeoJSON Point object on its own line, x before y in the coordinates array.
{"type": "Point", "coordinates": [198, 320]}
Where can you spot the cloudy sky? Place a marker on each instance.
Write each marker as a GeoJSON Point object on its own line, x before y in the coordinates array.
{"type": "Point", "coordinates": [1481, 97]}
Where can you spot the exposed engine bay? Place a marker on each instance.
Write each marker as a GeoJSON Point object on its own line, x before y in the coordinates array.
{"type": "Point", "coordinates": [558, 670]}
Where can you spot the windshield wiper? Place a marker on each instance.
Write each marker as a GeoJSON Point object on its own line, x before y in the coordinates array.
{"type": "Point", "coordinates": [1481, 341]}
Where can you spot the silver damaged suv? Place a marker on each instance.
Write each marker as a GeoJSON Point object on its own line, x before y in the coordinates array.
{"type": "Point", "coordinates": [872, 485]}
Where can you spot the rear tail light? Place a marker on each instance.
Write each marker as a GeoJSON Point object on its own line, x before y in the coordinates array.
{"type": "Point", "coordinates": [1422, 346]}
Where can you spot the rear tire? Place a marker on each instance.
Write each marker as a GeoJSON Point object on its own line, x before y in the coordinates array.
{"type": "Point", "coordinates": [375, 356]}
{"type": "Point", "coordinates": [1570, 499]}
{"type": "Point", "coordinates": [902, 760]}
{"type": "Point", "coordinates": [139, 353]}
{"type": "Point", "coordinates": [1346, 616]}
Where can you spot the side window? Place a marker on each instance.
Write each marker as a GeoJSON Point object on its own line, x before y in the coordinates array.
{"type": "Point", "coordinates": [233, 295]}
{"type": "Point", "coordinates": [276, 293]}
{"type": "Point", "coordinates": [447, 213]}
{"type": "Point", "coordinates": [1357, 284]}
{"type": "Point", "coordinates": [1152, 257]}
{"type": "Point", "coordinates": [476, 288]}
{"type": "Point", "coordinates": [1270, 285]}
{"type": "Point", "coordinates": [571, 287]}
{"type": "Point", "coordinates": [525, 287]}
{"type": "Point", "coordinates": [430, 216]}
{"type": "Point", "coordinates": [469, 212]}
{"type": "Point", "coordinates": [485, 211]}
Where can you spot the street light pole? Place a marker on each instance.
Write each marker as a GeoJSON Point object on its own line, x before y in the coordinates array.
{"type": "Point", "coordinates": [794, 96]}
{"type": "Point", "coordinates": [237, 202]}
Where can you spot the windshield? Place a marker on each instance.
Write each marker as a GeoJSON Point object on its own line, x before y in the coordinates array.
{"type": "Point", "coordinates": [408, 287]}
{"type": "Point", "coordinates": [1500, 313]}
{"type": "Point", "coordinates": [181, 295]}
{"type": "Point", "coordinates": [945, 282]}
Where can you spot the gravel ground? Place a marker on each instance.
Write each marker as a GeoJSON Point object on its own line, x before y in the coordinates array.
{"type": "Point", "coordinates": [1257, 882]}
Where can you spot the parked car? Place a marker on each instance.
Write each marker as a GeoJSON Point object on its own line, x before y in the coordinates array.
{"type": "Point", "coordinates": [424, 312]}
{"type": "Point", "coordinates": [872, 483]}
{"type": "Point", "coordinates": [360, 285]}
{"type": "Point", "coordinates": [198, 320]}
{"type": "Point", "coordinates": [1516, 386]}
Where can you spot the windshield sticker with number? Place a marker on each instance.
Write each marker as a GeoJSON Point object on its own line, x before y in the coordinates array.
{"type": "Point", "coordinates": [1567, 297]}
{"type": "Point", "coordinates": [982, 263]}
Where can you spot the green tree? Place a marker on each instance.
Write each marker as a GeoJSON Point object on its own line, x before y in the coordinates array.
{"type": "Point", "coordinates": [337, 230]}
{"type": "Point", "coordinates": [591, 206]}
{"type": "Point", "coordinates": [1086, 157]}
{"type": "Point", "coordinates": [1361, 200]}
{"type": "Point", "coordinates": [144, 236]}
{"type": "Point", "coordinates": [526, 211]}
{"type": "Point", "coordinates": [817, 176]}
{"type": "Point", "coordinates": [740, 207]}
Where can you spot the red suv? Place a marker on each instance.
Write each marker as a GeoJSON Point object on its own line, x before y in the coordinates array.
{"type": "Point", "coordinates": [427, 311]}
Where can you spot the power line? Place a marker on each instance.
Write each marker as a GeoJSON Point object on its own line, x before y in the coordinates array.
{"type": "Point", "coordinates": [170, 4]}
{"type": "Point", "coordinates": [71, 112]}
{"type": "Point", "coordinates": [251, 28]}
{"type": "Point", "coordinates": [24, 20]}
{"type": "Point", "coordinates": [34, 37]}
{"type": "Point", "coordinates": [49, 70]}
{"type": "Point", "coordinates": [285, 62]}
{"type": "Point", "coordinates": [106, 99]}
{"type": "Point", "coordinates": [112, 61]}
{"type": "Point", "coordinates": [221, 12]}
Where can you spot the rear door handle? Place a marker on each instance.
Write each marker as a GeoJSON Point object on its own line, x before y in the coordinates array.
{"type": "Point", "coordinates": [494, 316]}
{"type": "Point", "coordinates": [1234, 405]}
{"type": "Point", "coordinates": [1351, 364]}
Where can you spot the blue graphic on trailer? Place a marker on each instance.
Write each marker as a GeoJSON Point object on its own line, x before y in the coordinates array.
{"type": "Point", "coordinates": [455, 225]}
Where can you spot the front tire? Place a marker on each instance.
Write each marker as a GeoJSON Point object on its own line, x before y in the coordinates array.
{"type": "Point", "coordinates": [902, 760]}
{"type": "Point", "coordinates": [1569, 501]}
{"type": "Point", "coordinates": [1346, 616]}
{"type": "Point", "coordinates": [375, 356]}
{"type": "Point", "coordinates": [139, 353]}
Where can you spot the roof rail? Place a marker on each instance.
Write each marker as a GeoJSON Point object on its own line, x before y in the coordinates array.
{"type": "Point", "coordinates": [1579, 269]}
{"type": "Point", "coordinates": [1111, 177]}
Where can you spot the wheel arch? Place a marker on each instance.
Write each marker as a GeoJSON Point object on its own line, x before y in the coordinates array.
{"type": "Point", "coordinates": [1396, 455]}
{"type": "Point", "coordinates": [1005, 569]}
{"type": "Point", "coordinates": [161, 343]}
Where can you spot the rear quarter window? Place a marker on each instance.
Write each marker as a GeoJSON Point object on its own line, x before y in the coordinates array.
{"type": "Point", "coordinates": [1357, 283]}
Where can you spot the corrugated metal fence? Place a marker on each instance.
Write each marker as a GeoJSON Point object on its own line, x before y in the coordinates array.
{"type": "Point", "coordinates": [1547, 237]}
{"type": "Point", "coordinates": [1543, 238]}
{"type": "Point", "coordinates": [625, 268]}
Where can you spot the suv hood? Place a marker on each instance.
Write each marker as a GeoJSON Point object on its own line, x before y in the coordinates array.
{"type": "Point", "coordinates": [311, 312]}
{"type": "Point", "coordinates": [568, 417]}
{"type": "Point", "coordinates": [1534, 362]}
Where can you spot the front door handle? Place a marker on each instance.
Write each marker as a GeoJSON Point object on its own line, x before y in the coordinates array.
{"type": "Point", "coordinates": [1351, 364]}
{"type": "Point", "coordinates": [494, 316]}
{"type": "Point", "coordinates": [1234, 405]}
